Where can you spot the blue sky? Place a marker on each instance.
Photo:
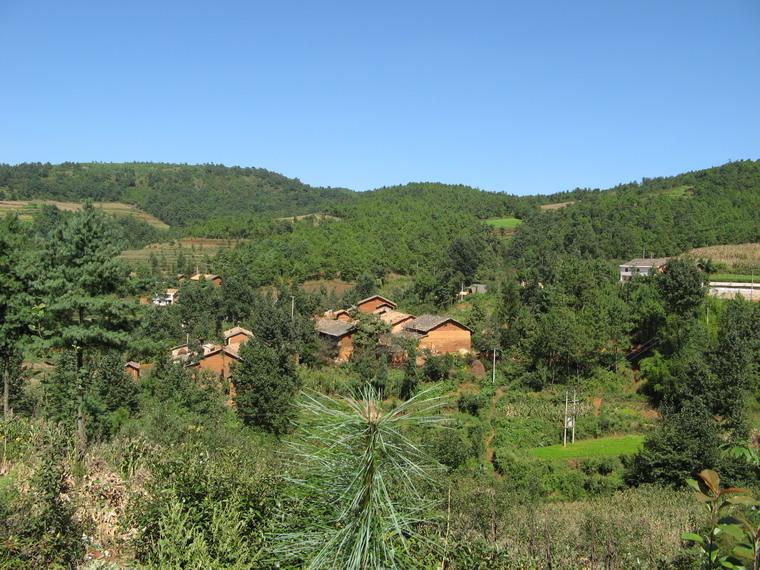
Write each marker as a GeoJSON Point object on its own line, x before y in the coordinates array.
{"type": "Point", "coordinates": [522, 97]}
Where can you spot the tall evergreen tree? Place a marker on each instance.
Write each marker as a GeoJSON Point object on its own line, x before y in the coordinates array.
{"type": "Point", "coordinates": [266, 384]}
{"type": "Point", "coordinates": [15, 301]}
{"type": "Point", "coordinates": [80, 281]}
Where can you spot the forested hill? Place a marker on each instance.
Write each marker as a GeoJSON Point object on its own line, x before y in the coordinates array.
{"type": "Point", "coordinates": [178, 194]}
{"type": "Point", "coordinates": [659, 216]}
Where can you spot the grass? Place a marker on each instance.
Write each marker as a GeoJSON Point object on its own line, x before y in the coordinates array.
{"type": "Point", "coordinates": [677, 191]}
{"type": "Point", "coordinates": [506, 223]}
{"type": "Point", "coordinates": [27, 208]}
{"type": "Point", "coordinates": [736, 277]}
{"type": "Point", "coordinates": [602, 447]}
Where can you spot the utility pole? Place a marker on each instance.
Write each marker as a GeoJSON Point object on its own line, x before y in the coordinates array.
{"type": "Point", "coordinates": [564, 430]}
{"type": "Point", "coordinates": [575, 413]}
{"type": "Point", "coordinates": [493, 368]}
{"type": "Point", "coordinates": [292, 307]}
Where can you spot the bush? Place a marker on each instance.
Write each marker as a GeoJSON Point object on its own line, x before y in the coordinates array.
{"type": "Point", "coordinates": [470, 404]}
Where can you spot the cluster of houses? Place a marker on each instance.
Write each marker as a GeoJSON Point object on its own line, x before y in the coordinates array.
{"type": "Point", "coordinates": [434, 333]}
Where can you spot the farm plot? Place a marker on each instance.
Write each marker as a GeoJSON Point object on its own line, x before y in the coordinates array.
{"type": "Point", "coordinates": [602, 447]}
{"type": "Point", "coordinates": [732, 256]}
{"type": "Point", "coordinates": [27, 208]}
{"type": "Point", "coordinates": [193, 249]}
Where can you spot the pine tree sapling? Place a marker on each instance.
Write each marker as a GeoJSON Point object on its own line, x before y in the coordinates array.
{"type": "Point", "coordinates": [364, 479]}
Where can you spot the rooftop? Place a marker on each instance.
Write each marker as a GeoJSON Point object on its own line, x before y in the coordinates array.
{"type": "Point", "coordinates": [373, 297]}
{"type": "Point", "coordinates": [426, 323]}
{"type": "Point", "coordinates": [236, 331]}
{"type": "Point", "coordinates": [647, 262]}
{"type": "Point", "coordinates": [332, 327]}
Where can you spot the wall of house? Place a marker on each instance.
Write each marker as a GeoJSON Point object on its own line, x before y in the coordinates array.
{"type": "Point", "coordinates": [399, 327]}
{"type": "Point", "coordinates": [345, 348]}
{"type": "Point", "coordinates": [447, 338]}
{"type": "Point", "coordinates": [239, 338]}
{"type": "Point", "coordinates": [134, 373]}
{"type": "Point", "coordinates": [220, 364]}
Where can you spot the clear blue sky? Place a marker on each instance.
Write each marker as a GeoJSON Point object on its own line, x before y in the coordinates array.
{"type": "Point", "coordinates": [521, 97]}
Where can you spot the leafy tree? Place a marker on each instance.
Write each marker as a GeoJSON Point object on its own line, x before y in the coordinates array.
{"type": "Point", "coordinates": [411, 381]}
{"type": "Point", "coordinates": [380, 380]}
{"type": "Point", "coordinates": [265, 386]}
{"type": "Point", "coordinates": [736, 365]}
{"type": "Point", "coordinates": [465, 255]}
{"type": "Point", "coordinates": [681, 287]}
{"type": "Point", "coordinates": [685, 442]}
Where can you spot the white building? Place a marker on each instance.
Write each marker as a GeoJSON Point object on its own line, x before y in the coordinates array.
{"type": "Point", "coordinates": [642, 268]}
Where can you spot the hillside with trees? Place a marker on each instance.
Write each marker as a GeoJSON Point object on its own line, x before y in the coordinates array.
{"type": "Point", "coordinates": [567, 435]}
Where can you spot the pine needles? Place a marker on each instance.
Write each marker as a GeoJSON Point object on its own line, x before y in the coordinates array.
{"type": "Point", "coordinates": [360, 479]}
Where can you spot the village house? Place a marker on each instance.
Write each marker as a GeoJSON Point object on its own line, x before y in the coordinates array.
{"type": "Point", "coordinates": [217, 360]}
{"type": "Point", "coordinates": [642, 268]}
{"type": "Point", "coordinates": [236, 336]}
{"type": "Point", "coordinates": [340, 315]}
{"type": "Point", "coordinates": [474, 289]}
{"type": "Point", "coordinates": [215, 279]}
{"type": "Point", "coordinates": [339, 335]}
{"type": "Point", "coordinates": [395, 319]}
{"type": "Point", "coordinates": [373, 303]}
{"type": "Point", "coordinates": [180, 353]}
{"type": "Point", "coordinates": [169, 297]}
{"type": "Point", "coordinates": [133, 368]}
{"type": "Point", "coordinates": [440, 335]}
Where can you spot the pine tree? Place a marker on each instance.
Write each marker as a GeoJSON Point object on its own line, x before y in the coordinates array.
{"type": "Point", "coordinates": [15, 301]}
{"type": "Point", "coordinates": [81, 278]}
{"type": "Point", "coordinates": [266, 384]}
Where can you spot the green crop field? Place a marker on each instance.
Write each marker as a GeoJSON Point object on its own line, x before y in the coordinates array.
{"type": "Point", "coordinates": [506, 223]}
{"type": "Point", "coordinates": [735, 277]}
{"type": "Point", "coordinates": [602, 447]}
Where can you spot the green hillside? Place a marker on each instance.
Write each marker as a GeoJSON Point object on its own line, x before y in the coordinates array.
{"type": "Point", "coordinates": [178, 194]}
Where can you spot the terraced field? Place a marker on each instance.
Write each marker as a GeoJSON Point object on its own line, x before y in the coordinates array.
{"type": "Point", "coordinates": [195, 249]}
{"type": "Point", "coordinates": [27, 208]}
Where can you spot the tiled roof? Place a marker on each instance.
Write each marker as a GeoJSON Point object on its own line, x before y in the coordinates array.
{"type": "Point", "coordinates": [644, 262]}
{"type": "Point", "coordinates": [332, 327]}
{"type": "Point", "coordinates": [235, 331]}
{"type": "Point", "coordinates": [426, 323]}
{"type": "Point", "coordinates": [394, 317]}
{"type": "Point", "coordinates": [387, 301]}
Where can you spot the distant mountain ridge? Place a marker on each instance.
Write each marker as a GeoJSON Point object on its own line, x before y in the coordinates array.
{"type": "Point", "coordinates": [178, 194]}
